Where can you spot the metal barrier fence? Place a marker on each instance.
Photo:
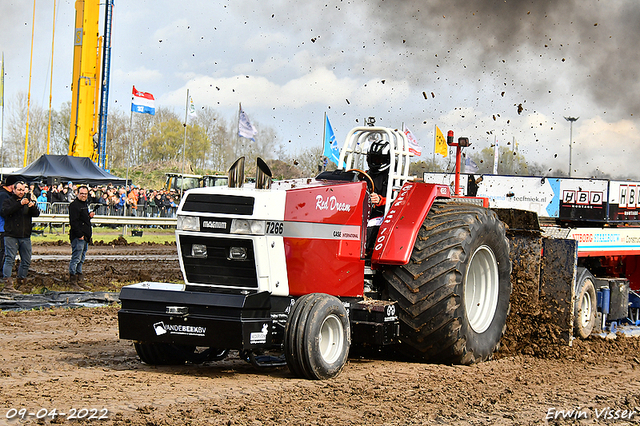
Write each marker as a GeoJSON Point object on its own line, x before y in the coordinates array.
{"type": "Point", "coordinates": [125, 221]}
{"type": "Point", "coordinates": [106, 210]}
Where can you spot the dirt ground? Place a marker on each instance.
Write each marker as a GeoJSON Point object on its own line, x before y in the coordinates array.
{"type": "Point", "coordinates": [72, 359]}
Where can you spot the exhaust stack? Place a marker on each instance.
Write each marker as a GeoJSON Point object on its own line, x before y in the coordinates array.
{"type": "Point", "coordinates": [263, 175]}
{"type": "Point", "coordinates": [236, 174]}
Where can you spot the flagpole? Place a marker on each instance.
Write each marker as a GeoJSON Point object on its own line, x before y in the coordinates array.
{"type": "Point", "coordinates": [238, 126]}
{"type": "Point", "coordinates": [53, 36]}
{"type": "Point", "coordinates": [435, 140]}
{"type": "Point", "coordinates": [26, 138]}
{"type": "Point", "coordinates": [324, 140]}
{"type": "Point", "coordinates": [129, 147]}
{"type": "Point", "coordinates": [2, 128]}
{"type": "Point", "coordinates": [184, 143]}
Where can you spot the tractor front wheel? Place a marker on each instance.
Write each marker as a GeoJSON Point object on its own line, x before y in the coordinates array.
{"type": "Point", "coordinates": [453, 295]}
{"type": "Point", "coordinates": [317, 337]}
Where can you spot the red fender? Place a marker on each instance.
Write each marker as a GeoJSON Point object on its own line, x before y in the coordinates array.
{"type": "Point", "coordinates": [400, 226]}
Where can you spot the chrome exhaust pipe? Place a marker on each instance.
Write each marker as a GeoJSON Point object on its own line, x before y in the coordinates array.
{"type": "Point", "coordinates": [263, 175]}
{"type": "Point", "coordinates": [236, 174]}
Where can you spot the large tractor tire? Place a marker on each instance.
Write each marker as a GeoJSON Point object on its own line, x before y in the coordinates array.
{"type": "Point", "coordinates": [317, 337]}
{"type": "Point", "coordinates": [585, 305]}
{"type": "Point", "coordinates": [453, 295]}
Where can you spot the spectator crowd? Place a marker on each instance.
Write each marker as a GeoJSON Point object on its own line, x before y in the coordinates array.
{"type": "Point", "coordinates": [109, 200]}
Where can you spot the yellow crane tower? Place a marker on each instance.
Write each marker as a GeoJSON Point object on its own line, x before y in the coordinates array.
{"type": "Point", "coordinates": [85, 85]}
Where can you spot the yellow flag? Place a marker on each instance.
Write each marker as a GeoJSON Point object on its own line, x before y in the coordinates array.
{"type": "Point", "coordinates": [441, 143]}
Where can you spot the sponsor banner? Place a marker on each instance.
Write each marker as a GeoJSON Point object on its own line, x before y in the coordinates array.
{"type": "Point", "coordinates": [596, 241]}
{"type": "Point", "coordinates": [583, 199]}
{"type": "Point", "coordinates": [623, 200]}
{"type": "Point", "coordinates": [509, 192]}
{"type": "Point", "coordinates": [564, 198]}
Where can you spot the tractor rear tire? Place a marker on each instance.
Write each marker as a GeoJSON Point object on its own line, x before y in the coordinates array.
{"type": "Point", "coordinates": [453, 295]}
{"type": "Point", "coordinates": [317, 337]}
{"type": "Point", "coordinates": [585, 305]}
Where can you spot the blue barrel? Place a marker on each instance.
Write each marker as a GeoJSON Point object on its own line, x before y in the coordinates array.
{"type": "Point", "coordinates": [606, 299]}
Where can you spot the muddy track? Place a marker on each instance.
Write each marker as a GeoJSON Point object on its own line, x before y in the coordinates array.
{"type": "Point", "coordinates": [72, 359]}
{"type": "Point", "coordinates": [107, 267]}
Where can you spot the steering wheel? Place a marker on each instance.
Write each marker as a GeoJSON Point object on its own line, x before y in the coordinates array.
{"type": "Point", "coordinates": [365, 174]}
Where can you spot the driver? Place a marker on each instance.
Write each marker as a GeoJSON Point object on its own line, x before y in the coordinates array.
{"type": "Point", "coordinates": [378, 159]}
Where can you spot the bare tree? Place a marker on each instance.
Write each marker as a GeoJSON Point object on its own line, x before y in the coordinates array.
{"type": "Point", "coordinates": [60, 126]}
{"type": "Point", "coordinates": [219, 153]}
{"type": "Point", "coordinates": [308, 160]}
{"type": "Point", "coordinates": [16, 131]}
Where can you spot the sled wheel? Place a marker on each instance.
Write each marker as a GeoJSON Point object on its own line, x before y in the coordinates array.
{"type": "Point", "coordinates": [317, 337]}
{"type": "Point", "coordinates": [585, 305]}
{"type": "Point", "coordinates": [453, 295]}
{"type": "Point", "coordinates": [160, 353]}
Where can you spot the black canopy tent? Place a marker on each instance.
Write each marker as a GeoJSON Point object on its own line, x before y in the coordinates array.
{"type": "Point", "coordinates": [52, 169]}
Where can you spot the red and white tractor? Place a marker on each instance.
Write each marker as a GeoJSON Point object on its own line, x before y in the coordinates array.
{"type": "Point", "coordinates": [281, 272]}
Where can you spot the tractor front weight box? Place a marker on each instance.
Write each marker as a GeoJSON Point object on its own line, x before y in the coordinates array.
{"type": "Point", "coordinates": [164, 313]}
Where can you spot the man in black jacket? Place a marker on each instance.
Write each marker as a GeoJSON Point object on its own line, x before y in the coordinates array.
{"type": "Point", "coordinates": [17, 211]}
{"type": "Point", "coordinates": [80, 235]}
{"type": "Point", "coordinates": [5, 192]}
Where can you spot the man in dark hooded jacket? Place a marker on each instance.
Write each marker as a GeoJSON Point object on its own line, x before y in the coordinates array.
{"type": "Point", "coordinates": [5, 192]}
{"type": "Point", "coordinates": [17, 211]}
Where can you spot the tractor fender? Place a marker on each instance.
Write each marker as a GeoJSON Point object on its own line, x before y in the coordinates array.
{"type": "Point", "coordinates": [399, 230]}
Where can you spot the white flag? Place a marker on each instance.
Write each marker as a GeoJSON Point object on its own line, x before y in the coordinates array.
{"type": "Point", "coordinates": [192, 108]}
{"type": "Point", "coordinates": [245, 128]}
{"type": "Point", "coordinates": [470, 166]}
{"type": "Point", "coordinates": [414, 148]}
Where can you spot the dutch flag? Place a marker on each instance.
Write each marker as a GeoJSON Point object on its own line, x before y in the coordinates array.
{"type": "Point", "coordinates": [143, 102]}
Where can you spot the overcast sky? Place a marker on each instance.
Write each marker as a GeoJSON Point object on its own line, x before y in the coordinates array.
{"type": "Point", "coordinates": [464, 65]}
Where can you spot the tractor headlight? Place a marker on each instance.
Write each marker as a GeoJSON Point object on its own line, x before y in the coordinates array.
{"type": "Point", "coordinates": [237, 253]}
{"type": "Point", "coordinates": [199, 250]}
{"type": "Point", "coordinates": [248, 226]}
{"type": "Point", "coordinates": [188, 223]}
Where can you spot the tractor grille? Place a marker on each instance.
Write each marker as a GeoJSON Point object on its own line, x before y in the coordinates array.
{"type": "Point", "coordinates": [217, 268]}
{"type": "Point", "coordinates": [218, 203]}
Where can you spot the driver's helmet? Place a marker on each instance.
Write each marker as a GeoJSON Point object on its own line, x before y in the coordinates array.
{"type": "Point", "coordinates": [379, 156]}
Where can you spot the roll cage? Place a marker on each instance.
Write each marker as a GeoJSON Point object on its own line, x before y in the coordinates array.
{"type": "Point", "coordinates": [353, 155]}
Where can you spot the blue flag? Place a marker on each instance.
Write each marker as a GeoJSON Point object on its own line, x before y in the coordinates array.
{"type": "Point", "coordinates": [331, 150]}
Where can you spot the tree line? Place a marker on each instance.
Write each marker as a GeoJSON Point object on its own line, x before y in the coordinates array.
{"type": "Point", "coordinates": [211, 141]}
{"type": "Point", "coordinates": [212, 144]}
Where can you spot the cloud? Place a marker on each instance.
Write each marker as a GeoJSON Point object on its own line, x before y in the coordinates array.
{"type": "Point", "coordinates": [319, 86]}
{"type": "Point", "coordinates": [140, 76]}
{"type": "Point", "coordinates": [606, 146]}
